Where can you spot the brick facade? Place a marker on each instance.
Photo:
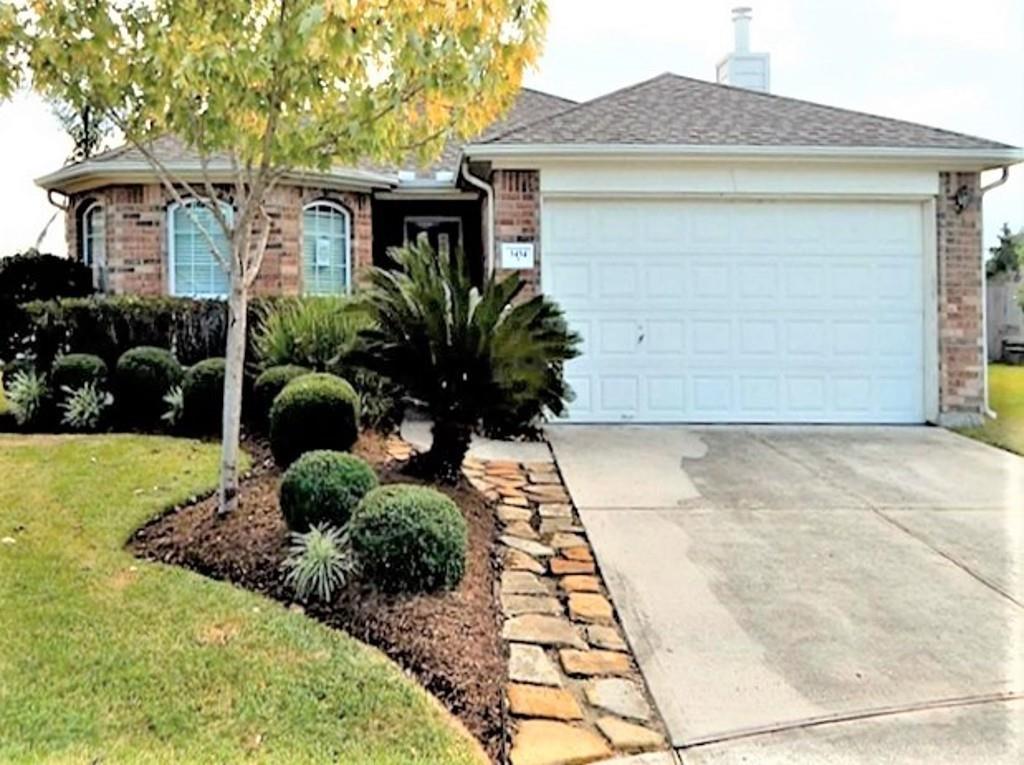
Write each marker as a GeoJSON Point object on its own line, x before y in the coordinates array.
{"type": "Point", "coordinates": [961, 300]}
{"type": "Point", "coordinates": [517, 218]}
{"type": "Point", "coordinates": [135, 219]}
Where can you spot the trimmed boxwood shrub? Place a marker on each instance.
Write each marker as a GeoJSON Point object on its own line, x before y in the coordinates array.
{"type": "Point", "coordinates": [409, 538]}
{"type": "Point", "coordinates": [202, 391]}
{"type": "Point", "coordinates": [77, 369]}
{"type": "Point", "coordinates": [142, 378]}
{"type": "Point", "coordinates": [269, 383]}
{"type": "Point", "coordinates": [315, 411]}
{"type": "Point", "coordinates": [324, 487]}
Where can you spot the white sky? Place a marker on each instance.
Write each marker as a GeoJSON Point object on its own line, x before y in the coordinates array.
{"type": "Point", "coordinates": [949, 63]}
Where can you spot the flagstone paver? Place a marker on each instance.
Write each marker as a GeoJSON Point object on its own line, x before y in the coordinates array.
{"type": "Point", "coordinates": [578, 553]}
{"type": "Point", "coordinates": [511, 513]}
{"type": "Point", "coordinates": [541, 701]}
{"type": "Point", "coordinates": [523, 530]}
{"type": "Point", "coordinates": [562, 566]}
{"type": "Point", "coordinates": [523, 583]}
{"type": "Point", "coordinates": [554, 510]}
{"type": "Point", "coordinates": [542, 630]}
{"type": "Point", "coordinates": [627, 736]}
{"type": "Point", "coordinates": [528, 546]}
{"type": "Point", "coordinates": [604, 636]}
{"type": "Point", "coordinates": [530, 664]}
{"type": "Point", "coordinates": [594, 662]}
{"type": "Point", "coordinates": [580, 583]}
{"type": "Point", "coordinates": [619, 696]}
{"type": "Point", "coordinates": [516, 560]}
{"type": "Point", "coordinates": [546, 742]}
{"type": "Point", "coordinates": [589, 607]}
{"type": "Point", "coordinates": [516, 605]}
{"type": "Point", "coordinates": [563, 541]}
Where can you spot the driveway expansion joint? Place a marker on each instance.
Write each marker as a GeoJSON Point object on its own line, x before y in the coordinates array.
{"type": "Point", "coordinates": [840, 718]}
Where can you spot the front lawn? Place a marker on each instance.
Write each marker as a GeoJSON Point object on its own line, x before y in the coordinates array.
{"type": "Point", "coordinates": [104, 657]}
{"type": "Point", "coordinates": [1006, 397]}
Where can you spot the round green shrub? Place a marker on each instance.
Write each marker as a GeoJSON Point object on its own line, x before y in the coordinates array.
{"type": "Point", "coordinates": [315, 411]}
{"type": "Point", "coordinates": [269, 383]}
{"type": "Point", "coordinates": [202, 391]}
{"type": "Point", "coordinates": [143, 376]}
{"type": "Point", "coordinates": [77, 369]}
{"type": "Point", "coordinates": [409, 538]}
{"type": "Point", "coordinates": [324, 487]}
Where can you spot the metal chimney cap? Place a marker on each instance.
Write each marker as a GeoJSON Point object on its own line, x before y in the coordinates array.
{"type": "Point", "coordinates": [742, 12]}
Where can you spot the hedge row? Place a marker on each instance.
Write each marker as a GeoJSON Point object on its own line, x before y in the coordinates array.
{"type": "Point", "coordinates": [108, 326]}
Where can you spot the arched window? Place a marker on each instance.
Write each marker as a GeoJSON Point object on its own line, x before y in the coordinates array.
{"type": "Point", "coordinates": [326, 254]}
{"type": "Point", "coordinates": [93, 236]}
{"type": "Point", "coordinates": [193, 270]}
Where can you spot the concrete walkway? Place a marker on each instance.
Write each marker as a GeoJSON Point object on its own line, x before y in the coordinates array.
{"type": "Point", "coordinates": [838, 595]}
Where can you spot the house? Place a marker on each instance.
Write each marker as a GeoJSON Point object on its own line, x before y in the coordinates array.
{"type": "Point", "coordinates": [727, 255]}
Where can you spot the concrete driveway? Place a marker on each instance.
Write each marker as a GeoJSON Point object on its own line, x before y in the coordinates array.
{"type": "Point", "coordinates": [836, 595]}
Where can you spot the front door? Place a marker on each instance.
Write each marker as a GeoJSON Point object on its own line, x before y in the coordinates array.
{"type": "Point", "coordinates": [443, 234]}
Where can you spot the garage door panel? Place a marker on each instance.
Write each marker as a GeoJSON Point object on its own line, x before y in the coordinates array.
{"type": "Point", "coordinates": [666, 394]}
{"type": "Point", "coordinates": [740, 312]}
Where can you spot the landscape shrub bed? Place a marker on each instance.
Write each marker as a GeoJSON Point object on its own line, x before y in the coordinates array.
{"type": "Point", "coordinates": [448, 639]}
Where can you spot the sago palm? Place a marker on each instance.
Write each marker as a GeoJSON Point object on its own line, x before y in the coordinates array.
{"type": "Point", "coordinates": [465, 354]}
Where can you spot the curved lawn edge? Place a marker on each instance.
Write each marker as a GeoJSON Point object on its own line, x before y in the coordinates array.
{"type": "Point", "coordinates": [118, 659]}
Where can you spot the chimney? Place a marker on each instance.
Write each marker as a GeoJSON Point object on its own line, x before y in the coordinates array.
{"type": "Point", "coordinates": [741, 68]}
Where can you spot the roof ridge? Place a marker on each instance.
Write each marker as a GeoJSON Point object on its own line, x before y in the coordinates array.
{"type": "Point", "coordinates": [548, 94]}
{"type": "Point", "coordinates": [829, 107]}
{"type": "Point", "coordinates": [579, 105]}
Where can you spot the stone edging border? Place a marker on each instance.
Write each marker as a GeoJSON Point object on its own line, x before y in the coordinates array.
{"type": "Point", "coordinates": [574, 691]}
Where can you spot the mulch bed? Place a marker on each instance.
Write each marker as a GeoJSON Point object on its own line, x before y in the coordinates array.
{"type": "Point", "coordinates": [449, 641]}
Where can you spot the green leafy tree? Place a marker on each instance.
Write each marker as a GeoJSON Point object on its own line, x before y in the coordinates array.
{"type": "Point", "coordinates": [11, 49]}
{"type": "Point", "coordinates": [262, 90]}
{"type": "Point", "coordinates": [463, 352]}
{"type": "Point", "coordinates": [1006, 257]}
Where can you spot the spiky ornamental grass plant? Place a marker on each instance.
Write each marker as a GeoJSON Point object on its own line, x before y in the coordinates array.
{"type": "Point", "coordinates": [466, 354]}
{"type": "Point", "coordinates": [175, 412]}
{"type": "Point", "coordinates": [319, 562]}
{"type": "Point", "coordinates": [26, 395]}
{"type": "Point", "coordinates": [84, 406]}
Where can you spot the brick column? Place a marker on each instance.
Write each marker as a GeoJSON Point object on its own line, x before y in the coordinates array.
{"type": "Point", "coordinates": [962, 355]}
{"type": "Point", "coordinates": [517, 219]}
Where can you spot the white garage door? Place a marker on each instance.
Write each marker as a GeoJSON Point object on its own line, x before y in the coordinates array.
{"type": "Point", "coordinates": [715, 311]}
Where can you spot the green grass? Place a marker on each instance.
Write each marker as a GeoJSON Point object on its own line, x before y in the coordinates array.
{"type": "Point", "coordinates": [104, 658]}
{"type": "Point", "coordinates": [1006, 397]}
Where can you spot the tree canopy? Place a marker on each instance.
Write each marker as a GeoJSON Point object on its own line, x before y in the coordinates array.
{"type": "Point", "coordinates": [341, 82]}
{"type": "Point", "coordinates": [1007, 256]}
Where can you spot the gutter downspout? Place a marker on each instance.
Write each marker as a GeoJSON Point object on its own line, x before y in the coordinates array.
{"type": "Point", "coordinates": [984, 283]}
{"type": "Point", "coordinates": [488, 190]}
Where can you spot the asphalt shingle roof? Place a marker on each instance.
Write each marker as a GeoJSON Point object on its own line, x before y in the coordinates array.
{"type": "Point", "coordinates": [671, 109]}
{"type": "Point", "coordinates": [529, 106]}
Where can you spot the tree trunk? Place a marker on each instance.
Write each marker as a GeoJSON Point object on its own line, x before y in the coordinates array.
{"type": "Point", "coordinates": [443, 462]}
{"type": "Point", "coordinates": [234, 359]}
